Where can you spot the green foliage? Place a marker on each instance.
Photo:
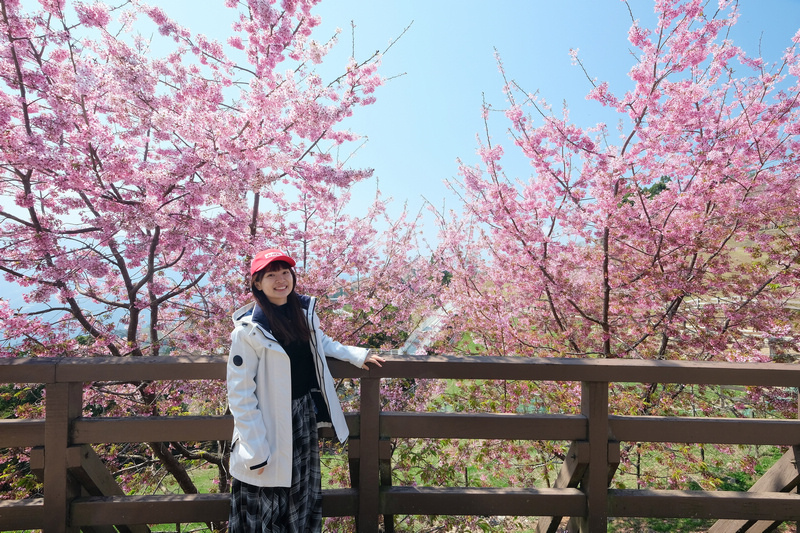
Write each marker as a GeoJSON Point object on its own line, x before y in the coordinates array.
{"type": "Point", "coordinates": [447, 276]}
{"type": "Point", "coordinates": [393, 337]}
{"type": "Point", "coordinates": [657, 525]}
{"type": "Point", "coordinates": [384, 338]}
{"type": "Point", "coordinates": [16, 479]}
{"type": "Point", "coordinates": [14, 396]}
{"type": "Point", "coordinates": [649, 192]}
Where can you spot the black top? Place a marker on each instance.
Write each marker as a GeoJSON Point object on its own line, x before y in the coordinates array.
{"type": "Point", "coordinates": [304, 377]}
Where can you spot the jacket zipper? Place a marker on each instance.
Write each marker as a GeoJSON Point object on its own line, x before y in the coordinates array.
{"type": "Point", "coordinates": [317, 356]}
{"type": "Point", "coordinates": [266, 334]}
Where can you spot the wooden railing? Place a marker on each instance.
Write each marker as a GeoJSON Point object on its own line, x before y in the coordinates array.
{"type": "Point", "coordinates": [581, 492]}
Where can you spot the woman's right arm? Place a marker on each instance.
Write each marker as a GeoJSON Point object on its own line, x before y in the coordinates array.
{"type": "Point", "coordinates": [243, 401]}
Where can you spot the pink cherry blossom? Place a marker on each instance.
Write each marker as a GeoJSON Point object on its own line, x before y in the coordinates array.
{"type": "Point", "coordinates": [96, 14]}
{"type": "Point", "coordinates": [663, 242]}
{"type": "Point", "coordinates": [137, 185]}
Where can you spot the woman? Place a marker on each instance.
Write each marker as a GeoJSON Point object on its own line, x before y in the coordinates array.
{"type": "Point", "coordinates": [280, 391]}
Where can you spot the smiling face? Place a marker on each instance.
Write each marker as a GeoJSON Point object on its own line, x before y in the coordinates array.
{"type": "Point", "coordinates": [276, 282]}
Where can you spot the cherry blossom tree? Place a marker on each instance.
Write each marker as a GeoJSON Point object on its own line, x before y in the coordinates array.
{"type": "Point", "coordinates": [139, 174]}
{"type": "Point", "coordinates": [132, 180]}
{"type": "Point", "coordinates": [669, 243]}
{"type": "Point", "coordinates": [675, 238]}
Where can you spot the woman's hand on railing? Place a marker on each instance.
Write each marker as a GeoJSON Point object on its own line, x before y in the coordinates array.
{"type": "Point", "coordinates": [374, 358]}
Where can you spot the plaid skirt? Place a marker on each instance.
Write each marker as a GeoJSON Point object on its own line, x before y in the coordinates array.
{"type": "Point", "coordinates": [295, 509]}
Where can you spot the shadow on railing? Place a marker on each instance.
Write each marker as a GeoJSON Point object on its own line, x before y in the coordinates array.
{"type": "Point", "coordinates": [581, 491]}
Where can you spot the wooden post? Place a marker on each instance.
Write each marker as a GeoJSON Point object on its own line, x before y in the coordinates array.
{"type": "Point", "coordinates": [64, 404]}
{"type": "Point", "coordinates": [570, 476]}
{"type": "Point", "coordinates": [369, 463]}
{"type": "Point", "coordinates": [594, 405]}
{"type": "Point", "coordinates": [386, 478]}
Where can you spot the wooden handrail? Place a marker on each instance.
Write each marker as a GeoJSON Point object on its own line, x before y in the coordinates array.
{"type": "Point", "coordinates": [65, 430]}
{"type": "Point", "coordinates": [81, 370]}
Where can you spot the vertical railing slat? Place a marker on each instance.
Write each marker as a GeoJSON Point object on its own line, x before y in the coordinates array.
{"type": "Point", "coordinates": [63, 404]}
{"type": "Point", "coordinates": [594, 405]}
{"type": "Point", "coordinates": [369, 467]}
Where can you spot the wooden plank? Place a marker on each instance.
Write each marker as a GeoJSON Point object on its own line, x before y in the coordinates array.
{"type": "Point", "coordinates": [354, 449]}
{"type": "Point", "coordinates": [339, 502]}
{"type": "Point", "coordinates": [574, 466]}
{"type": "Point", "coordinates": [783, 476]}
{"type": "Point", "coordinates": [21, 433]}
{"type": "Point", "coordinates": [572, 471]}
{"type": "Point", "coordinates": [16, 515]}
{"type": "Point", "coordinates": [36, 463]}
{"type": "Point", "coordinates": [483, 426]}
{"type": "Point", "coordinates": [705, 430]}
{"type": "Point", "coordinates": [776, 506]}
{"type": "Point", "coordinates": [762, 526]}
{"type": "Point", "coordinates": [149, 509]}
{"type": "Point", "coordinates": [103, 529]}
{"type": "Point", "coordinates": [594, 405]}
{"type": "Point", "coordinates": [184, 508]}
{"type": "Point", "coordinates": [385, 468]}
{"type": "Point", "coordinates": [141, 368]}
{"type": "Point", "coordinates": [28, 369]}
{"type": "Point", "coordinates": [41, 370]}
{"type": "Point", "coordinates": [87, 469]}
{"type": "Point", "coordinates": [73, 466]}
{"type": "Point", "coordinates": [481, 501]}
{"type": "Point", "coordinates": [93, 475]}
{"type": "Point", "coordinates": [614, 458]}
{"type": "Point", "coordinates": [152, 429]}
{"type": "Point", "coordinates": [369, 463]}
{"type": "Point", "coordinates": [746, 526]}
{"type": "Point", "coordinates": [573, 370]}
{"type": "Point", "coordinates": [63, 402]}
{"type": "Point", "coordinates": [354, 459]}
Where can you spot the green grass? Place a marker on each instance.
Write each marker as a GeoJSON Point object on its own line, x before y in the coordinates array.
{"type": "Point", "coordinates": [205, 480]}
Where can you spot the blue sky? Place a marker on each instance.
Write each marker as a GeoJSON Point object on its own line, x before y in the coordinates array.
{"type": "Point", "coordinates": [428, 117]}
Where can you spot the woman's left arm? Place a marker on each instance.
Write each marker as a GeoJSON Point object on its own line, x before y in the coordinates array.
{"type": "Point", "coordinates": [359, 357]}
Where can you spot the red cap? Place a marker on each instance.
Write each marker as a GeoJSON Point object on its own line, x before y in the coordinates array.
{"type": "Point", "coordinates": [265, 257]}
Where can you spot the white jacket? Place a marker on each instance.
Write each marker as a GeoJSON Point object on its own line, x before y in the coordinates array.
{"type": "Point", "coordinates": [260, 396]}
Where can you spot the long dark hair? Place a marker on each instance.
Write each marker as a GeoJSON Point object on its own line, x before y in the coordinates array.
{"type": "Point", "coordinates": [286, 331]}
